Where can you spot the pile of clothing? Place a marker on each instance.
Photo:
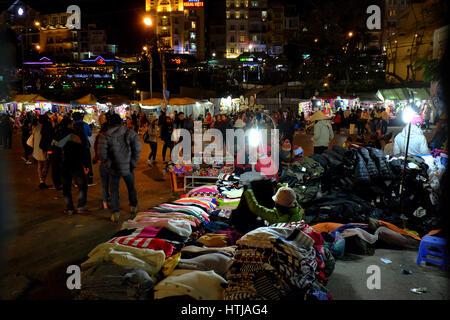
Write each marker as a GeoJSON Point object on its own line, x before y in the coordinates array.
{"type": "Point", "coordinates": [277, 263]}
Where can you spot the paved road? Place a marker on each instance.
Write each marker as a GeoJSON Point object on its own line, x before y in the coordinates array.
{"type": "Point", "coordinates": [42, 241]}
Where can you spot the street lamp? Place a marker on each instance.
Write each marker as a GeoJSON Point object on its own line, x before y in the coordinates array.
{"type": "Point", "coordinates": [37, 24]}
{"type": "Point", "coordinates": [148, 23]}
{"type": "Point", "coordinates": [350, 34]}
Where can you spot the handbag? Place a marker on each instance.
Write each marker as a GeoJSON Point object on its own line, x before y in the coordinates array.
{"type": "Point", "coordinates": [146, 137]}
{"type": "Point", "coordinates": [30, 141]}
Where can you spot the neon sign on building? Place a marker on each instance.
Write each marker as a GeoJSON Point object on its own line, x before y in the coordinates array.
{"type": "Point", "coordinates": [193, 3]}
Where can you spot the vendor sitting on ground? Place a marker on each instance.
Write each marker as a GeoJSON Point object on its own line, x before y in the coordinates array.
{"type": "Point", "coordinates": [286, 207]}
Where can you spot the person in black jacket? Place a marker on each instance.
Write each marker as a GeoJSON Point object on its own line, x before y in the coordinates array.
{"type": "Point", "coordinates": [26, 133]}
{"type": "Point", "coordinates": [119, 152]}
{"type": "Point", "coordinates": [74, 164]}
{"type": "Point", "coordinates": [166, 137]}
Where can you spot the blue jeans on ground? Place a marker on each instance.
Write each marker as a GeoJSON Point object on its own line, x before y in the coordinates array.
{"type": "Point", "coordinates": [132, 195]}
{"type": "Point", "coordinates": [104, 176]}
{"type": "Point", "coordinates": [80, 179]}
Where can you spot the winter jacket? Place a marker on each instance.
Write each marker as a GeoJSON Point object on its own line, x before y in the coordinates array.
{"type": "Point", "coordinates": [334, 158]}
{"type": "Point", "coordinates": [417, 141]}
{"type": "Point", "coordinates": [73, 157]}
{"type": "Point", "coordinates": [38, 153]}
{"type": "Point", "coordinates": [323, 134]}
{"type": "Point", "coordinates": [272, 215]}
{"type": "Point", "coordinates": [370, 164]}
{"type": "Point", "coordinates": [379, 157]}
{"type": "Point", "coordinates": [120, 150]}
{"type": "Point", "coordinates": [361, 174]}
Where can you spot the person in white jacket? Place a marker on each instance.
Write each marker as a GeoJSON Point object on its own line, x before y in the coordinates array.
{"type": "Point", "coordinates": [323, 132]}
{"type": "Point", "coordinates": [417, 141]}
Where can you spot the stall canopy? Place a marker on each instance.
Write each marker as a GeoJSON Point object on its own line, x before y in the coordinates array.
{"type": "Point", "coordinates": [151, 102]}
{"type": "Point", "coordinates": [181, 101]}
{"type": "Point", "coordinates": [28, 98]}
{"type": "Point", "coordinates": [402, 93]}
{"type": "Point", "coordinates": [89, 99]}
{"type": "Point", "coordinates": [115, 99]}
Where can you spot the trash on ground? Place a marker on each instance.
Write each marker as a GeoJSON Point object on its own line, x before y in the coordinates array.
{"type": "Point", "coordinates": [419, 290]}
{"type": "Point", "coordinates": [385, 260]}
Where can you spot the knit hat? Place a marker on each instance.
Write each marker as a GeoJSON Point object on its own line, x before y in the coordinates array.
{"type": "Point", "coordinates": [286, 145]}
{"type": "Point", "coordinates": [285, 197]}
{"type": "Point", "coordinates": [319, 115]}
{"type": "Point", "coordinates": [298, 151]}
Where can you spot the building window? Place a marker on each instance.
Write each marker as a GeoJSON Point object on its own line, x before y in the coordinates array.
{"type": "Point", "coordinates": [242, 39]}
{"type": "Point", "coordinates": [254, 3]}
{"type": "Point", "coordinates": [232, 27]}
{"type": "Point", "coordinates": [242, 27]}
{"type": "Point", "coordinates": [193, 46]}
{"type": "Point", "coordinates": [193, 24]}
{"type": "Point", "coordinates": [264, 15]}
{"type": "Point", "coordinates": [232, 50]}
{"type": "Point", "coordinates": [176, 42]}
{"type": "Point", "coordinates": [232, 39]}
{"type": "Point", "coordinates": [192, 35]}
{"type": "Point", "coordinates": [254, 38]}
{"type": "Point", "coordinates": [228, 14]}
{"type": "Point", "coordinates": [238, 15]}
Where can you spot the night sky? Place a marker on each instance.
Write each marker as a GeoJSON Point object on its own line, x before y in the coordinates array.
{"type": "Point", "coordinates": [121, 19]}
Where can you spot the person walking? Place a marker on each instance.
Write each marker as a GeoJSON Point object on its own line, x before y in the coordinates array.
{"type": "Point", "coordinates": [26, 129]}
{"type": "Point", "coordinates": [120, 151]}
{"type": "Point", "coordinates": [6, 131]}
{"type": "Point", "coordinates": [74, 164]}
{"type": "Point", "coordinates": [166, 137]}
{"type": "Point", "coordinates": [323, 132]}
{"type": "Point", "coordinates": [84, 127]}
{"type": "Point", "coordinates": [151, 137]}
{"type": "Point", "coordinates": [104, 174]}
{"type": "Point", "coordinates": [337, 121]}
{"type": "Point", "coordinates": [40, 155]}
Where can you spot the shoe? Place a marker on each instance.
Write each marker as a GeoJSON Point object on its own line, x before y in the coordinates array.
{"type": "Point", "coordinates": [91, 184]}
{"type": "Point", "coordinates": [115, 217]}
{"type": "Point", "coordinates": [28, 162]}
{"type": "Point", "coordinates": [82, 210]}
{"type": "Point", "coordinates": [42, 185]}
{"type": "Point", "coordinates": [69, 212]}
{"type": "Point", "coordinates": [133, 212]}
{"type": "Point", "coordinates": [104, 206]}
{"type": "Point", "coordinates": [149, 162]}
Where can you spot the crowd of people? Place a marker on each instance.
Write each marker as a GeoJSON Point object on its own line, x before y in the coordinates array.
{"type": "Point", "coordinates": [61, 142]}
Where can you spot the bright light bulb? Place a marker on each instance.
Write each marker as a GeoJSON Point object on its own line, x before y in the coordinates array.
{"type": "Point", "coordinates": [148, 21]}
{"type": "Point", "coordinates": [20, 11]}
{"type": "Point", "coordinates": [408, 115]}
{"type": "Point", "coordinates": [254, 137]}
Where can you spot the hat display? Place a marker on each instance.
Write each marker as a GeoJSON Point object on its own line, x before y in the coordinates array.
{"type": "Point", "coordinates": [286, 145]}
{"type": "Point", "coordinates": [319, 115]}
{"type": "Point", "coordinates": [285, 197]}
{"type": "Point", "coordinates": [239, 123]}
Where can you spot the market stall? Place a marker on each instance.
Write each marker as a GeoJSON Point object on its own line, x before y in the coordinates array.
{"type": "Point", "coordinates": [189, 106]}
{"type": "Point", "coordinates": [28, 102]}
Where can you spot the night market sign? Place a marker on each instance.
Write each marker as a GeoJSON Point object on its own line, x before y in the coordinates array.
{"type": "Point", "coordinates": [193, 3]}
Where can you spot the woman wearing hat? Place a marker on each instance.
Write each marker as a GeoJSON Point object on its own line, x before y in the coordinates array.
{"type": "Point", "coordinates": [286, 207]}
{"type": "Point", "coordinates": [323, 132]}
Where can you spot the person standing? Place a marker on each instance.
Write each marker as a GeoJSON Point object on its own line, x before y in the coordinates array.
{"type": "Point", "coordinates": [26, 133]}
{"type": "Point", "coordinates": [166, 137]}
{"type": "Point", "coordinates": [427, 116]}
{"type": "Point", "coordinates": [323, 132]}
{"type": "Point", "coordinates": [104, 174]}
{"type": "Point", "coordinates": [337, 121]}
{"type": "Point", "coordinates": [134, 121]}
{"type": "Point", "coordinates": [6, 130]}
{"type": "Point", "coordinates": [384, 121]}
{"type": "Point", "coordinates": [74, 163]}
{"type": "Point", "coordinates": [40, 155]}
{"type": "Point", "coordinates": [152, 133]}
{"type": "Point", "coordinates": [84, 127]}
{"type": "Point", "coordinates": [120, 151]}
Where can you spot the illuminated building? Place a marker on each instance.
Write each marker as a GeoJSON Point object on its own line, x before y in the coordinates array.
{"type": "Point", "coordinates": [179, 25]}
{"type": "Point", "coordinates": [246, 23]}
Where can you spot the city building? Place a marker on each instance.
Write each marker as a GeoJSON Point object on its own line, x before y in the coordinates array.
{"type": "Point", "coordinates": [291, 23]}
{"type": "Point", "coordinates": [216, 45]}
{"type": "Point", "coordinates": [276, 23]}
{"type": "Point", "coordinates": [179, 25]}
{"type": "Point", "coordinates": [412, 41]}
{"type": "Point", "coordinates": [246, 26]}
